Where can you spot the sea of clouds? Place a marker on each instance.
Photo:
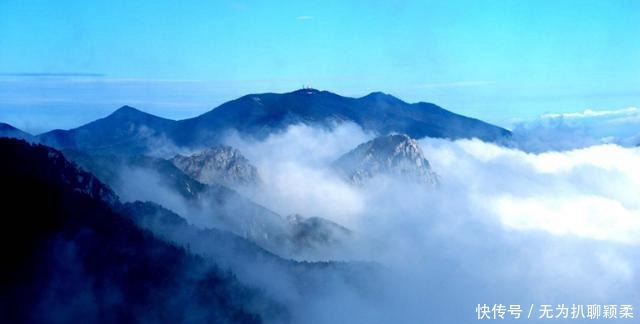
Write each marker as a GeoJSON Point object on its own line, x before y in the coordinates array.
{"type": "Point", "coordinates": [548, 220]}
{"type": "Point", "coordinates": [552, 218]}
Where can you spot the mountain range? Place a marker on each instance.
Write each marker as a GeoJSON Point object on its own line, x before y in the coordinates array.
{"type": "Point", "coordinates": [138, 218]}
{"type": "Point", "coordinates": [218, 205]}
{"type": "Point", "coordinates": [73, 251]}
{"type": "Point", "coordinates": [70, 255]}
{"type": "Point", "coordinates": [131, 131]}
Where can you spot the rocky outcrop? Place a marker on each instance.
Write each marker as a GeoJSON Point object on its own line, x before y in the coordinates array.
{"type": "Point", "coordinates": [219, 165]}
{"type": "Point", "coordinates": [395, 155]}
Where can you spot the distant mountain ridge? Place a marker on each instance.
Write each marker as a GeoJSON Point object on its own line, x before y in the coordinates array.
{"type": "Point", "coordinates": [7, 130]}
{"type": "Point", "coordinates": [260, 114]}
{"type": "Point", "coordinates": [127, 130]}
{"type": "Point", "coordinates": [132, 131]}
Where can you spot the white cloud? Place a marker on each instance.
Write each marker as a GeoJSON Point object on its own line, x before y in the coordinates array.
{"type": "Point", "coordinates": [587, 216]}
{"type": "Point", "coordinates": [584, 192]}
{"type": "Point", "coordinates": [304, 18]}
{"type": "Point", "coordinates": [504, 225]}
{"type": "Point", "coordinates": [590, 113]}
{"type": "Point", "coordinates": [565, 131]}
{"type": "Point", "coordinates": [295, 166]}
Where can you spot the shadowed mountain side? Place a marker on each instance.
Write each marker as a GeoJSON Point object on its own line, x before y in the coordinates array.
{"type": "Point", "coordinates": [261, 114]}
{"type": "Point", "coordinates": [227, 209]}
{"type": "Point", "coordinates": [317, 235]}
{"type": "Point", "coordinates": [223, 208]}
{"type": "Point", "coordinates": [295, 284]}
{"type": "Point", "coordinates": [109, 169]}
{"type": "Point", "coordinates": [7, 130]}
{"type": "Point", "coordinates": [222, 245]}
{"type": "Point", "coordinates": [126, 131]}
{"type": "Point", "coordinates": [244, 257]}
{"type": "Point", "coordinates": [76, 259]}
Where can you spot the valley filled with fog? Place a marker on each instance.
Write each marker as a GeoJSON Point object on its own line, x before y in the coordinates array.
{"type": "Point", "coordinates": [319, 162]}
{"type": "Point", "coordinates": [319, 208]}
{"type": "Point", "coordinates": [501, 225]}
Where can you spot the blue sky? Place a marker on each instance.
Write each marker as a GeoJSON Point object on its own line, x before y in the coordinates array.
{"type": "Point", "coordinates": [67, 62]}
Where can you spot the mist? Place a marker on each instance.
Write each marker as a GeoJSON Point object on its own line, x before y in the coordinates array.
{"type": "Point", "coordinates": [502, 226]}
{"type": "Point", "coordinates": [573, 130]}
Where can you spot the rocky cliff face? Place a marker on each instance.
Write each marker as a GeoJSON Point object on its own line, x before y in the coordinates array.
{"type": "Point", "coordinates": [395, 155]}
{"type": "Point", "coordinates": [219, 165]}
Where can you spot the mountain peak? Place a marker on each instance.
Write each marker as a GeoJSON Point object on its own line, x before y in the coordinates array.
{"type": "Point", "coordinates": [128, 114]}
{"type": "Point", "coordinates": [7, 130]}
{"type": "Point", "coordinates": [393, 146]}
{"type": "Point", "coordinates": [126, 130]}
{"type": "Point", "coordinates": [376, 94]}
{"type": "Point", "coordinates": [128, 111]}
{"type": "Point", "coordinates": [381, 97]}
{"type": "Point", "coordinates": [393, 140]}
{"type": "Point", "coordinates": [5, 126]}
{"type": "Point", "coordinates": [306, 91]}
{"type": "Point", "coordinates": [396, 154]}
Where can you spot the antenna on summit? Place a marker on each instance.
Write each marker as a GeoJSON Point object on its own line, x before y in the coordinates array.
{"type": "Point", "coordinates": [308, 88]}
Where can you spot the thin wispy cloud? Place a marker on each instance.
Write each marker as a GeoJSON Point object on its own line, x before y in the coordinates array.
{"type": "Point", "coordinates": [590, 113]}
{"type": "Point", "coordinates": [304, 18]}
{"type": "Point", "coordinates": [56, 74]}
